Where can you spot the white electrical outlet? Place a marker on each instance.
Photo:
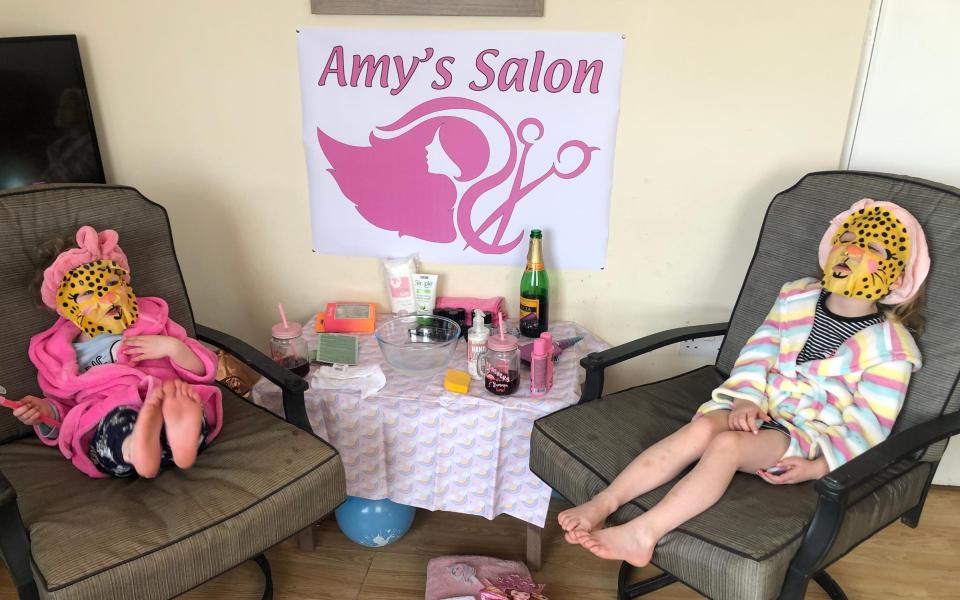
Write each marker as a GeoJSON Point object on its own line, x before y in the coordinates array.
{"type": "Point", "coordinates": [708, 346]}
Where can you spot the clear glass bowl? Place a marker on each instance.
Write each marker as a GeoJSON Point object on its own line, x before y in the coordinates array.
{"type": "Point", "coordinates": [418, 345]}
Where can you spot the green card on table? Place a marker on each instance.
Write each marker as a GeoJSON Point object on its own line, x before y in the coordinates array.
{"type": "Point", "coordinates": [337, 349]}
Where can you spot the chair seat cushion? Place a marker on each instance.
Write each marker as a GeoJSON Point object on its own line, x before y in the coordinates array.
{"type": "Point", "coordinates": [259, 482]}
{"type": "Point", "coordinates": [605, 435]}
{"type": "Point", "coordinates": [742, 546]}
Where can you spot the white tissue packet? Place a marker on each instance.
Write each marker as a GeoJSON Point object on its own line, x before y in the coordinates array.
{"type": "Point", "coordinates": [398, 275]}
{"type": "Point", "coordinates": [366, 379]}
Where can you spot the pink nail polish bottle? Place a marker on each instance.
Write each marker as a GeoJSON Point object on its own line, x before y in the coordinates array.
{"type": "Point", "coordinates": [547, 337]}
{"type": "Point", "coordinates": [538, 368]}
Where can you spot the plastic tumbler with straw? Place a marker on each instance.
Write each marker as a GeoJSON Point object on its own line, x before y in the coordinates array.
{"type": "Point", "coordinates": [287, 346]}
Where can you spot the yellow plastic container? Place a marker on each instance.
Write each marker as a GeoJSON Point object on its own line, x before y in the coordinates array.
{"type": "Point", "coordinates": [457, 381]}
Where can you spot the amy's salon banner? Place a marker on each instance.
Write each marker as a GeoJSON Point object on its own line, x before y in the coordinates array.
{"type": "Point", "coordinates": [454, 144]}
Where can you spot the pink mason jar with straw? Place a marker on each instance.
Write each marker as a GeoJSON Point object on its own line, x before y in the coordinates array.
{"type": "Point", "coordinates": [287, 346]}
{"type": "Point", "coordinates": [500, 364]}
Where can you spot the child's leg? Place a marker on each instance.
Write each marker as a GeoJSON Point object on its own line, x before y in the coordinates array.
{"type": "Point", "coordinates": [654, 466]}
{"type": "Point", "coordinates": [142, 447]}
{"type": "Point", "coordinates": [182, 418]}
{"type": "Point", "coordinates": [699, 490]}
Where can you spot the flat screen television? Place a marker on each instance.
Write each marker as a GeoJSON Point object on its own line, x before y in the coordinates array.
{"type": "Point", "coordinates": [46, 125]}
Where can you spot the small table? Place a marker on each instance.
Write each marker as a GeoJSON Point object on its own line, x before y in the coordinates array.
{"type": "Point", "coordinates": [417, 443]}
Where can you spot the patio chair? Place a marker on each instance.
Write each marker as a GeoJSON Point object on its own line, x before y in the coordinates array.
{"type": "Point", "coordinates": [762, 541]}
{"type": "Point", "coordinates": [65, 535]}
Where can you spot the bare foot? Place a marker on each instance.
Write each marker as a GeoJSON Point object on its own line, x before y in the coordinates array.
{"type": "Point", "coordinates": [182, 416]}
{"type": "Point", "coordinates": [631, 542]}
{"type": "Point", "coordinates": [142, 448]}
{"type": "Point", "coordinates": [588, 516]}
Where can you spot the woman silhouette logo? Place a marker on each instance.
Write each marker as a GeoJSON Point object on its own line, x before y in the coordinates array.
{"type": "Point", "coordinates": [406, 183]}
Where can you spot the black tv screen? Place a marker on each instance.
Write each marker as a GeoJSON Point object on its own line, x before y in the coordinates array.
{"type": "Point", "coordinates": [46, 125]}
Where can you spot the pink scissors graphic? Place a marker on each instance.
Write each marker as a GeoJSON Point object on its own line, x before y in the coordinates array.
{"type": "Point", "coordinates": [518, 191]}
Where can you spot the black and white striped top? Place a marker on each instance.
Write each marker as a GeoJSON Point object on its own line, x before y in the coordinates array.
{"type": "Point", "coordinates": [831, 330]}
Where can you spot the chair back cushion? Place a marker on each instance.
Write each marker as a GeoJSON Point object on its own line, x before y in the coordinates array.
{"type": "Point", "coordinates": [787, 250]}
{"type": "Point", "coordinates": [30, 216]}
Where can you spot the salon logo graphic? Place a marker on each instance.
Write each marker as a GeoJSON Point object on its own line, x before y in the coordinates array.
{"type": "Point", "coordinates": [406, 179]}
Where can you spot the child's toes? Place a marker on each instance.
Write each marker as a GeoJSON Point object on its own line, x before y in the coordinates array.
{"type": "Point", "coordinates": [578, 536]}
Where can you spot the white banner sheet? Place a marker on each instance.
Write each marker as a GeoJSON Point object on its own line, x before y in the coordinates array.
{"type": "Point", "coordinates": [455, 144]}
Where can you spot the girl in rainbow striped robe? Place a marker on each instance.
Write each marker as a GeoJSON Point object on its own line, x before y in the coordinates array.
{"type": "Point", "coordinates": [836, 407]}
{"type": "Point", "coordinates": [786, 422]}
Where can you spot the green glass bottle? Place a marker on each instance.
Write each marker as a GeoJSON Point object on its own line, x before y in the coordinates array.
{"type": "Point", "coordinates": [534, 291]}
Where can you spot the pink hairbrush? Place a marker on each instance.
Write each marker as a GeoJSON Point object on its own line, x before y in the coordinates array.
{"type": "Point", "coordinates": [526, 351]}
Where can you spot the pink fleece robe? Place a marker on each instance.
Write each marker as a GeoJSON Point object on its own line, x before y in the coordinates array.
{"type": "Point", "coordinates": [83, 399]}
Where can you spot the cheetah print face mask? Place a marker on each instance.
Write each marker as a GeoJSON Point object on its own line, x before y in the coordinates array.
{"type": "Point", "coordinates": [97, 298]}
{"type": "Point", "coordinates": [870, 249]}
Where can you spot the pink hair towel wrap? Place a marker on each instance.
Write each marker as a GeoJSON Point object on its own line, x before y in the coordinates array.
{"type": "Point", "coordinates": [91, 246]}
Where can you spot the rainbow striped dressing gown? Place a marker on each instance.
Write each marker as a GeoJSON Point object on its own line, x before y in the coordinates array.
{"type": "Point", "coordinates": [837, 407]}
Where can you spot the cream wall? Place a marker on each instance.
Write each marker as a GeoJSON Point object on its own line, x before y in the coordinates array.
{"type": "Point", "coordinates": [724, 104]}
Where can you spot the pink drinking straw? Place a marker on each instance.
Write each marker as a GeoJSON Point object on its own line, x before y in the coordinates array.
{"type": "Point", "coordinates": [500, 318]}
{"type": "Point", "coordinates": [283, 317]}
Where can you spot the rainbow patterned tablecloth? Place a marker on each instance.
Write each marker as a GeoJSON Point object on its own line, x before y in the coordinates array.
{"type": "Point", "coordinates": [416, 443]}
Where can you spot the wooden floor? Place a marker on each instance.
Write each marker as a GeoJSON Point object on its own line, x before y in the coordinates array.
{"type": "Point", "coordinates": [899, 562]}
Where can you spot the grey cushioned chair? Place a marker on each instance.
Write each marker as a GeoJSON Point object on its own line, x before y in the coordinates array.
{"type": "Point", "coordinates": [64, 535]}
{"type": "Point", "coordinates": [762, 541]}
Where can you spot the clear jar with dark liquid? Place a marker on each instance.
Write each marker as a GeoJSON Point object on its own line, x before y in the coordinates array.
{"type": "Point", "coordinates": [289, 349]}
{"type": "Point", "coordinates": [500, 365]}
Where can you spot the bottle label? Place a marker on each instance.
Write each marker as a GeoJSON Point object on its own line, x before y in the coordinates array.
{"type": "Point", "coordinates": [530, 310]}
{"type": "Point", "coordinates": [538, 376]}
{"type": "Point", "coordinates": [352, 311]}
{"type": "Point", "coordinates": [475, 354]}
{"type": "Point", "coordinates": [475, 349]}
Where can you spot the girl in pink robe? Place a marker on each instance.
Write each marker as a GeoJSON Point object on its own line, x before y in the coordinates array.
{"type": "Point", "coordinates": [144, 403]}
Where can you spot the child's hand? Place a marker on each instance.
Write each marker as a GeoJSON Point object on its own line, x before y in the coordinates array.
{"type": "Point", "coordinates": [31, 409]}
{"type": "Point", "coordinates": [744, 416]}
{"type": "Point", "coordinates": [151, 347]}
{"type": "Point", "coordinates": [795, 470]}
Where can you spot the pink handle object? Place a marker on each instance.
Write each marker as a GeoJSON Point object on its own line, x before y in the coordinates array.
{"type": "Point", "coordinates": [13, 404]}
{"type": "Point", "coordinates": [489, 306]}
{"type": "Point", "coordinates": [559, 346]}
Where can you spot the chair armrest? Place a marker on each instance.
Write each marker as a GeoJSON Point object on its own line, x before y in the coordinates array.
{"type": "Point", "coordinates": [7, 493]}
{"type": "Point", "coordinates": [834, 488]}
{"type": "Point", "coordinates": [14, 542]}
{"type": "Point", "coordinates": [596, 362]}
{"type": "Point", "coordinates": [838, 483]}
{"type": "Point", "coordinates": [291, 385]}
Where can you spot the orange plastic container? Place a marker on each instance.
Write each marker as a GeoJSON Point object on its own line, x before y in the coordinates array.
{"type": "Point", "coordinates": [347, 317]}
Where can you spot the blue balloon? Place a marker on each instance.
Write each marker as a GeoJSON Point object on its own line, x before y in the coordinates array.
{"type": "Point", "coordinates": [374, 523]}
